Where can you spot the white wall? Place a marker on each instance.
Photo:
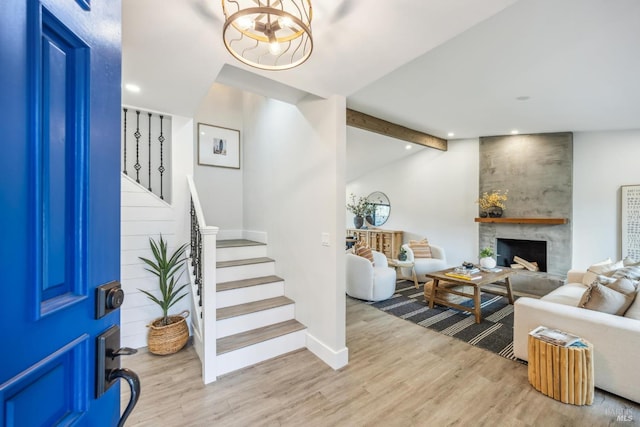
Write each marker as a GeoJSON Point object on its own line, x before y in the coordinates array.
{"type": "Point", "coordinates": [432, 195]}
{"type": "Point", "coordinates": [143, 216]}
{"type": "Point", "coordinates": [603, 161]}
{"type": "Point", "coordinates": [294, 190]}
{"type": "Point", "coordinates": [222, 106]}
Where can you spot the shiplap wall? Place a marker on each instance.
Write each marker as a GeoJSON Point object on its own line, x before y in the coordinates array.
{"type": "Point", "coordinates": [144, 215]}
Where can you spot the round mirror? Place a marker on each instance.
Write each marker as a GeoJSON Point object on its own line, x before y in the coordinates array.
{"type": "Point", "coordinates": [381, 208]}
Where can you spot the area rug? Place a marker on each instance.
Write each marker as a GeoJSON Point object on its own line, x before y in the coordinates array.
{"type": "Point", "coordinates": [494, 333]}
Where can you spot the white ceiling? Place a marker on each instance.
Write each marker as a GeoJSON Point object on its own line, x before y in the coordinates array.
{"type": "Point", "coordinates": [434, 65]}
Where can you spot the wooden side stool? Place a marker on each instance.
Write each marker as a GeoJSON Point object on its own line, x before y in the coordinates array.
{"type": "Point", "coordinates": [563, 373]}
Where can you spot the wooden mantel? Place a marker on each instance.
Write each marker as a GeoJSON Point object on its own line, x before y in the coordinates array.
{"type": "Point", "coordinates": [547, 221]}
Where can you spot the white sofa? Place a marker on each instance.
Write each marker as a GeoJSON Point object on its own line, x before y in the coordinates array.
{"type": "Point", "coordinates": [426, 265]}
{"type": "Point", "coordinates": [615, 339]}
{"type": "Point", "coordinates": [368, 282]}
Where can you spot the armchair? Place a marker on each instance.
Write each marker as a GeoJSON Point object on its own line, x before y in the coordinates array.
{"type": "Point", "coordinates": [426, 265]}
{"type": "Point", "coordinates": [368, 282]}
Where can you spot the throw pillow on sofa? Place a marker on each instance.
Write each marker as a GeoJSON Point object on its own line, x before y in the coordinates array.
{"type": "Point", "coordinates": [420, 248]}
{"type": "Point", "coordinates": [624, 286]}
{"type": "Point", "coordinates": [633, 312]}
{"type": "Point", "coordinates": [615, 298]}
{"type": "Point", "coordinates": [630, 272]}
{"type": "Point", "coordinates": [363, 250]}
{"type": "Point", "coordinates": [603, 268]}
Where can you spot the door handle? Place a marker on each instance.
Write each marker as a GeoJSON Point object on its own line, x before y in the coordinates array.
{"type": "Point", "coordinates": [108, 369]}
{"type": "Point", "coordinates": [134, 383]}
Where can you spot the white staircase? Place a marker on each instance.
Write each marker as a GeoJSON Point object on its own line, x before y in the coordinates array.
{"type": "Point", "coordinates": [254, 320]}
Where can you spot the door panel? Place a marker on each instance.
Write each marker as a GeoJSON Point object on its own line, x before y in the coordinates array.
{"type": "Point", "coordinates": [53, 384]}
{"type": "Point", "coordinates": [60, 161]}
{"type": "Point", "coordinates": [60, 111]}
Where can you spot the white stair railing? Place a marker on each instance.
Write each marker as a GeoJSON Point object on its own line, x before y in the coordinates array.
{"type": "Point", "coordinates": [203, 285]}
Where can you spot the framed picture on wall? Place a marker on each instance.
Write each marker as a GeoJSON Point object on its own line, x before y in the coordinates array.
{"type": "Point", "coordinates": [631, 221]}
{"type": "Point", "coordinates": [218, 146]}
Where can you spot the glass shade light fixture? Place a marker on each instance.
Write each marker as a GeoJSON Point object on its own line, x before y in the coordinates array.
{"type": "Point", "coordinates": [268, 34]}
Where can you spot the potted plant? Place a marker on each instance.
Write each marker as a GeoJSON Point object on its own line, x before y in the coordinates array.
{"type": "Point", "coordinates": [486, 258]}
{"type": "Point", "coordinates": [360, 207]}
{"type": "Point", "coordinates": [402, 255]}
{"type": "Point", "coordinates": [167, 334]}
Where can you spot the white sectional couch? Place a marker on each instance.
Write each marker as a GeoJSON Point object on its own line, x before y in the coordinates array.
{"type": "Point", "coordinates": [615, 339]}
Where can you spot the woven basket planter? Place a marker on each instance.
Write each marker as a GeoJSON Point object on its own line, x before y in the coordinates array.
{"type": "Point", "coordinates": [170, 338]}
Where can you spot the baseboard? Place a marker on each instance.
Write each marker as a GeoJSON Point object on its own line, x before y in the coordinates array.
{"type": "Point", "coordinates": [256, 236]}
{"type": "Point", "coordinates": [335, 359]}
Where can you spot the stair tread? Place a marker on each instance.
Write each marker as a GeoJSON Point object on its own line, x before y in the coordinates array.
{"type": "Point", "coordinates": [251, 307]}
{"type": "Point", "coordinates": [239, 262]}
{"type": "Point", "coordinates": [237, 284]}
{"type": "Point", "coordinates": [236, 243]}
{"type": "Point", "coordinates": [254, 336]}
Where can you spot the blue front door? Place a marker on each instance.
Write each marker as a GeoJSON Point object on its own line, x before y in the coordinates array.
{"type": "Point", "coordinates": [59, 206]}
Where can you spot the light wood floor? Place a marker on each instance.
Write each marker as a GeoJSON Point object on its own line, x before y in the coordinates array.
{"type": "Point", "coordinates": [399, 374]}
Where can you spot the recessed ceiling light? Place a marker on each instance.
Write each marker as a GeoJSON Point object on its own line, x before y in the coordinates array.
{"type": "Point", "coordinates": [408, 147]}
{"type": "Point", "coordinates": [514, 132]}
{"type": "Point", "coordinates": [132, 88]}
{"type": "Point", "coordinates": [523, 98]}
{"type": "Point", "coordinates": [450, 134]}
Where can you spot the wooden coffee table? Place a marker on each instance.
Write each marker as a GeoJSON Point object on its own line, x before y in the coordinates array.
{"type": "Point", "coordinates": [499, 278]}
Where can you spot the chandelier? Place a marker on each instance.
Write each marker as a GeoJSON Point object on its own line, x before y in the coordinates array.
{"type": "Point", "coordinates": [268, 34]}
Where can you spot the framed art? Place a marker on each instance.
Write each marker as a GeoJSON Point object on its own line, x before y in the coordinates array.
{"type": "Point", "coordinates": [218, 146]}
{"type": "Point", "coordinates": [631, 221]}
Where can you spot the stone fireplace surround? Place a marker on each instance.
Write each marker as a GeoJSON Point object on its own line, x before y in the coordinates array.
{"type": "Point", "coordinates": [537, 170]}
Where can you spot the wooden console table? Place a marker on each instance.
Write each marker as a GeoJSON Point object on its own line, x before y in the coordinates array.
{"type": "Point", "coordinates": [386, 241]}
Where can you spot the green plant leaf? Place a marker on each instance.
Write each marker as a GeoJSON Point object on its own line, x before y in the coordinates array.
{"type": "Point", "coordinates": [168, 270]}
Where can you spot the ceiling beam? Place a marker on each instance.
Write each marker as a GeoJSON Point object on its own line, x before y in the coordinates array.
{"type": "Point", "coordinates": [373, 124]}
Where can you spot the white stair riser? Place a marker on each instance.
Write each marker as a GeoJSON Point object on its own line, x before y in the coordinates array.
{"type": "Point", "coordinates": [237, 324]}
{"type": "Point", "coordinates": [241, 252]}
{"type": "Point", "coordinates": [249, 294]}
{"type": "Point", "coordinates": [247, 356]}
{"type": "Point", "coordinates": [241, 272]}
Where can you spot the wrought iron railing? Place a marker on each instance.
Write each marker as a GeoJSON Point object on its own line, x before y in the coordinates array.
{"type": "Point", "coordinates": [150, 156]}
{"type": "Point", "coordinates": [196, 253]}
{"type": "Point", "coordinates": [202, 276]}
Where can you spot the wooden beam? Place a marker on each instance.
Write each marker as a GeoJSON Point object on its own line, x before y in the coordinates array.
{"type": "Point", "coordinates": [373, 124]}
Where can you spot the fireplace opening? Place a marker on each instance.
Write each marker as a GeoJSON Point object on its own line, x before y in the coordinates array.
{"type": "Point", "coordinates": [533, 251]}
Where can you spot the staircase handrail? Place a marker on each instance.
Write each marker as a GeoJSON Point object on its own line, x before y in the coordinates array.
{"type": "Point", "coordinates": [206, 229]}
{"type": "Point", "coordinates": [203, 275]}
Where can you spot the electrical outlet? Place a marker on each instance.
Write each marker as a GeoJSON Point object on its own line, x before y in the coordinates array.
{"type": "Point", "coordinates": [325, 239]}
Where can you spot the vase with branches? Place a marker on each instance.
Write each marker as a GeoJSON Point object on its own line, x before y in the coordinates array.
{"type": "Point", "coordinates": [360, 208]}
{"type": "Point", "coordinates": [493, 203]}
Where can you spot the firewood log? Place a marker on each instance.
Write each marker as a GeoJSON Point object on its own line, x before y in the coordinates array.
{"type": "Point", "coordinates": [526, 264]}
